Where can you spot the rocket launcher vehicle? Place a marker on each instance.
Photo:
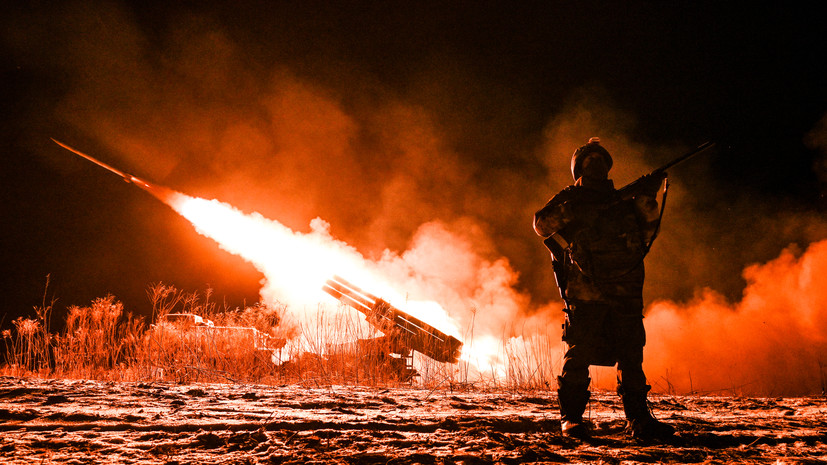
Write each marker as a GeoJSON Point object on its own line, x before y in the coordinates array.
{"type": "Point", "coordinates": [405, 330]}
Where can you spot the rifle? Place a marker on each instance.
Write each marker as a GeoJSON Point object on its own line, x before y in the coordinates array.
{"type": "Point", "coordinates": [634, 187]}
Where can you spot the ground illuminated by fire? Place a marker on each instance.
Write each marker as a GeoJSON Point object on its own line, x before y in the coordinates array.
{"type": "Point", "coordinates": [74, 421]}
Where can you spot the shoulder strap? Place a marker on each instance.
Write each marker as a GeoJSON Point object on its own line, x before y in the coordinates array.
{"type": "Point", "coordinates": [660, 218]}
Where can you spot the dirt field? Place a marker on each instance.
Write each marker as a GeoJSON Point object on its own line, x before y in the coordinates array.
{"type": "Point", "coordinates": [77, 421]}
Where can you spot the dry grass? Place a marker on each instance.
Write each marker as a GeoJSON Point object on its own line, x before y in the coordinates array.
{"type": "Point", "coordinates": [28, 346]}
{"type": "Point", "coordinates": [232, 349]}
{"type": "Point", "coordinates": [252, 344]}
{"type": "Point", "coordinates": [99, 342]}
{"type": "Point", "coordinates": [337, 347]}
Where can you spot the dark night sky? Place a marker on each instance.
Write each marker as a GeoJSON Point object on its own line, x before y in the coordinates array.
{"type": "Point", "coordinates": [491, 77]}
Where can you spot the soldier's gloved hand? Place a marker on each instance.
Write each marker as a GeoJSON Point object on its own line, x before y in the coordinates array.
{"type": "Point", "coordinates": [650, 183]}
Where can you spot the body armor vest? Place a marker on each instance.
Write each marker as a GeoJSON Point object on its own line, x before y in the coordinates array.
{"type": "Point", "coordinates": [605, 260]}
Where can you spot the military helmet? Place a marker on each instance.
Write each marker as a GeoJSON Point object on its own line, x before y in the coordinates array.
{"type": "Point", "coordinates": [593, 146]}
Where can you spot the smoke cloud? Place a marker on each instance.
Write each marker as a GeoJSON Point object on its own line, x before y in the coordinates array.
{"type": "Point", "coordinates": [772, 342]}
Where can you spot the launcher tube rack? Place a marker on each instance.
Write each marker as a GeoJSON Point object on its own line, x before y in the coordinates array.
{"type": "Point", "coordinates": [407, 330]}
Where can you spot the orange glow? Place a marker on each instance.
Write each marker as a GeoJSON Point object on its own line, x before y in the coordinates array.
{"type": "Point", "coordinates": [440, 268]}
{"type": "Point", "coordinates": [772, 342]}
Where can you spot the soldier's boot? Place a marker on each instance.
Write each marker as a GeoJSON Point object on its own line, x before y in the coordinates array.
{"type": "Point", "coordinates": [641, 423]}
{"type": "Point", "coordinates": [573, 400]}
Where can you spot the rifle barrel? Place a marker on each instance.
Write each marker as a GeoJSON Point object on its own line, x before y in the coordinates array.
{"type": "Point", "coordinates": [687, 156]}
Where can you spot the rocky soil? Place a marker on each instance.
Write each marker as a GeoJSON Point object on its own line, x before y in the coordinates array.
{"type": "Point", "coordinates": [79, 421]}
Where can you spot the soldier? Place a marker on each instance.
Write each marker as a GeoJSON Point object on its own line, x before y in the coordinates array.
{"type": "Point", "coordinates": [598, 240]}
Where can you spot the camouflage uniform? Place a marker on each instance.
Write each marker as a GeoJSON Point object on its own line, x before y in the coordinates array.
{"type": "Point", "coordinates": [604, 239]}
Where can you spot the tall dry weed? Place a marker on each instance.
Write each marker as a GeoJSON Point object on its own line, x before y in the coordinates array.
{"type": "Point", "coordinates": [337, 347]}
{"type": "Point", "coordinates": [29, 344]}
{"type": "Point", "coordinates": [98, 341]}
{"type": "Point", "coordinates": [532, 362]}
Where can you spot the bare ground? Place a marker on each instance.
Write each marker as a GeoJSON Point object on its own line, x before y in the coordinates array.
{"type": "Point", "coordinates": [79, 421]}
